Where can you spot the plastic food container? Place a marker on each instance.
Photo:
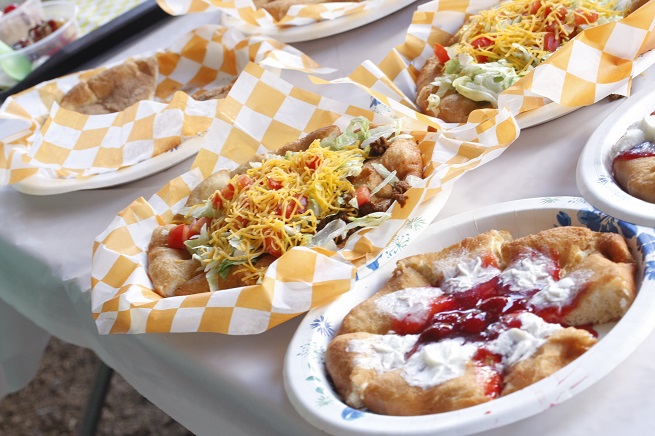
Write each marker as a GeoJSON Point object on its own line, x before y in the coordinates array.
{"type": "Point", "coordinates": [15, 24]}
{"type": "Point", "coordinates": [15, 65]}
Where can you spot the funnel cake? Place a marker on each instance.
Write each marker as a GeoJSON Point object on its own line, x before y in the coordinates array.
{"type": "Point", "coordinates": [480, 319]}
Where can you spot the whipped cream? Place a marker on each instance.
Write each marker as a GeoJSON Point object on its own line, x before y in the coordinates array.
{"type": "Point", "coordinates": [430, 366]}
{"type": "Point", "coordinates": [438, 362]}
{"type": "Point", "coordinates": [382, 352]}
{"type": "Point", "coordinates": [637, 133]}
{"type": "Point", "coordinates": [560, 293]}
{"type": "Point", "coordinates": [517, 344]}
{"type": "Point", "coordinates": [414, 302]}
{"type": "Point", "coordinates": [467, 275]}
{"type": "Point", "coordinates": [529, 273]}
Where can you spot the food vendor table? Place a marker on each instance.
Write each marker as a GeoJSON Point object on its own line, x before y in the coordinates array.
{"type": "Point", "coordinates": [214, 384]}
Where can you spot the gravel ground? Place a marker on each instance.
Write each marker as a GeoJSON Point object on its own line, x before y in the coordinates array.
{"type": "Point", "coordinates": [53, 403]}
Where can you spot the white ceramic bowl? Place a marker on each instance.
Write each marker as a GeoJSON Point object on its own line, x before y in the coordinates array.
{"type": "Point", "coordinates": [307, 383]}
{"type": "Point", "coordinates": [594, 176]}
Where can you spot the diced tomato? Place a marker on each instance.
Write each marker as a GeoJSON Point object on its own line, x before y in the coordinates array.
{"type": "Point", "coordinates": [314, 162]}
{"type": "Point", "coordinates": [244, 203]}
{"type": "Point", "coordinates": [363, 195]}
{"type": "Point", "coordinates": [295, 207]}
{"type": "Point", "coordinates": [482, 42]}
{"type": "Point", "coordinates": [240, 222]}
{"type": "Point", "coordinates": [243, 181]}
{"type": "Point", "coordinates": [177, 236]}
{"type": "Point", "coordinates": [225, 194]}
{"type": "Point", "coordinates": [273, 184]}
{"type": "Point", "coordinates": [481, 59]}
{"type": "Point", "coordinates": [560, 13]}
{"type": "Point", "coordinates": [551, 42]}
{"type": "Point", "coordinates": [183, 232]}
{"type": "Point", "coordinates": [272, 246]}
{"type": "Point", "coordinates": [534, 7]}
{"type": "Point", "coordinates": [553, 27]}
{"type": "Point", "coordinates": [217, 202]}
{"type": "Point", "coordinates": [585, 17]}
{"type": "Point", "coordinates": [441, 53]}
{"type": "Point", "coordinates": [228, 192]}
{"type": "Point", "coordinates": [196, 225]}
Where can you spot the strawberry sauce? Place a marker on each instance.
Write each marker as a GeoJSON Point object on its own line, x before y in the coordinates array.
{"type": "Point", "coordinates": [645, 149]}
{"type": "Point", "coordinates": [480, 314]}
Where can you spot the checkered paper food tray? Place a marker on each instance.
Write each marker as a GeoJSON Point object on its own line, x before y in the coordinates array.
{"type": "Point", "coordinates": [262, 113]}
{"type": "Point", "coordinates": [65, 144]}
{"type": "Point", "coordinates": [598, 62]}
{"type": "Point", "coordinates": [297, 15]}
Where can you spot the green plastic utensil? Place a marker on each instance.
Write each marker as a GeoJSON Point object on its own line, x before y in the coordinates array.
{"type": "Point", "coordinates": [17, 67]}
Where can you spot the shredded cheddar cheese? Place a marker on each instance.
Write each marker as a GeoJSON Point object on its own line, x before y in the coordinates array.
{"type": "Point", "coordinates": [526, 32]}
{"type": "Point", "coordinates": [278, 205]}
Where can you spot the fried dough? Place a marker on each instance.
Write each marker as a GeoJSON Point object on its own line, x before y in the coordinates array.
{"type": "Point", "coordinates": [174, 272]}
{"type": "Point", "coordinates": [377, 375]}
{"type": "Point", "coordinates": [637, 177]}
{"type": "Point", "coordinates": [114, 89]}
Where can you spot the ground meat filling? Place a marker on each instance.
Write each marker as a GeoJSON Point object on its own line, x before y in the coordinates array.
{"type": "Point", "coordinates": [378, 147]}
{"type": "Point", "coordinates": [398, 193]}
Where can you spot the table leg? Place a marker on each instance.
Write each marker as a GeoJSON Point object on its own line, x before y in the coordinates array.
{"type": "Point", "coordinates": [96, 401]}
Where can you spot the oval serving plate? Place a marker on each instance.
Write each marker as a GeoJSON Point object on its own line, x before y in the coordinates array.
{"type": "Point", "coordinates": [40, 185]}
{"type": "Point", "coordinates": [311, 393]}
{"type": "Point", "coordinates": [319, 29]}
{"type": "Point", "coordinates": [594, 171]}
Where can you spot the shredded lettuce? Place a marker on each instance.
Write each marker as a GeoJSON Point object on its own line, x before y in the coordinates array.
{"type": "Point", "coordinates": [325, 236]}
{"type": "Point", "coordinates": [334, 229]}
{"type": "Point", "coordinates": [389, 177]}
{"type": "Point", "coordinates": [477, 81]}
{"type": "Point", "coordinates": [359, 131]}
{"type": "Point", "coordinates": [225, 267]}
{"type": "Point", "coordinates": [206, 210]}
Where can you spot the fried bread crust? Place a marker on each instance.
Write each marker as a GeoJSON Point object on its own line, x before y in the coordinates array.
{"type": "Point", "coordinates": [637, 177]}
{"type": "Point", "coordinates": [114, 89]}
{"type": "Point", "coordinates": [173, 272]}
{"type": "Point", "coordinates": [607, 296]}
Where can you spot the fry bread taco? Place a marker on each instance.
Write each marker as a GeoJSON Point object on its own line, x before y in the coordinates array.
{"type": "Point", "coordinates": [311, 192]}
{"type": "Point", "coordinates": [334, 205]}
{"type": "Point", "coordinates": [600, 60]}
{"type": "Point", "coordinates": [496, 47]}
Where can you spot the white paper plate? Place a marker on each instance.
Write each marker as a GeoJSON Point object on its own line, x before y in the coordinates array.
{"type": "Point", "coordinates": [594, 172]}
{"type": "Point", "coordinates": [311, 393]}
{"type": "Point", "coordinates": [319, 29]}
{"type": "Point", "coordinates": [543, 114]}
{"type": "Point", "coordinates": [41, 185]}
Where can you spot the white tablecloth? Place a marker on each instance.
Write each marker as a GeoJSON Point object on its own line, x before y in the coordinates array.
{"type": "Point", "coordinates": [215, 384]}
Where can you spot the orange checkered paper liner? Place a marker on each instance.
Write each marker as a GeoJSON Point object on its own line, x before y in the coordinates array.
{"type": "Point", "coordinates": [65, 144]}
{"type": "Point", "coordinates": [600, 61]}
{"type": "Point", "coordinates": [245, 10]}
{"type": "Point", "coordinates": [260, 114]}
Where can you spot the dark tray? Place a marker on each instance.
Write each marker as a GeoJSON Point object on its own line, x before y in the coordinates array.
{"type": "Point", "coordinates": [70, 57]}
